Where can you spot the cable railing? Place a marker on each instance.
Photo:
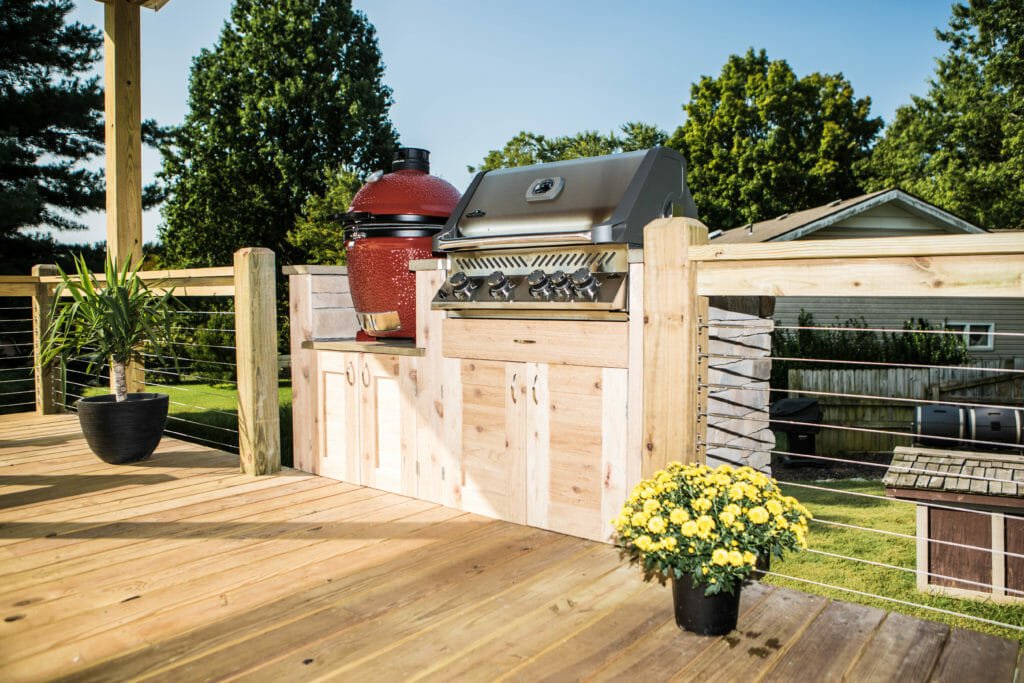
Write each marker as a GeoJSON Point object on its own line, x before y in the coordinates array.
{"type": "Point", "coordinates": [910, 452]}
{"type": "Point", "coordinates": [204, 379]}
{"type": "Point", "coordinates": [736, 414]}
{"type": "Point", "coordinates": [17, 379]}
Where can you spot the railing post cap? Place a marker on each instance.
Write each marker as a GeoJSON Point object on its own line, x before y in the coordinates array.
{"type": "Point", "coordinates": [247, 251]}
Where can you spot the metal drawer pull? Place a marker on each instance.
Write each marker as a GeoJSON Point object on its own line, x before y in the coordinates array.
{"type": "Point", "coordinates": [350, 375]}
{"type": "Point", "coordinates": [512, 387]}
{"type": "Point", "coordinates": [524, 341]}
{"type": "Point", "coordinates": [366, 376]}
{"type": "Point", "coordinates": [534, 390]}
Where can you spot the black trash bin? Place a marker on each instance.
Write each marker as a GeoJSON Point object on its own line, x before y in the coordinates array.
{"type": "Point", "coordinates": [801, 437]}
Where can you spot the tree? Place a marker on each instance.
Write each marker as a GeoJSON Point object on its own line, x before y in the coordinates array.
{"type": "Point", "coordinates": [961, 146]}
{"type": "Point", "coordinates": [291, 91]}
{"type": "Point", "coordinates": [761, 142]}
{"type": "Point", "coordinates": [317, 231]}
{"type": "Point", "coordinates": [51, 118]}
{"type": "Point", "coordinates": [526, 148]}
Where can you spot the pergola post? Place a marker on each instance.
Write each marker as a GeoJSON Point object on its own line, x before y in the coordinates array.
{"type": "Point", "coordinates": [123, 134]}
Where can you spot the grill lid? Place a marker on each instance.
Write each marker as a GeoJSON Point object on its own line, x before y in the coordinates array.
{"type": "Point", "coordinates": [590, 200]}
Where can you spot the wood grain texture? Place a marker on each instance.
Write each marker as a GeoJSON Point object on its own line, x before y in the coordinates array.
{"type": "Point", "coordinates": [45, 377]}
{"type": "Point", "coordinates": [984, 275]}
{"type": "Point", "coordinates": [259, 432]}
{"type": "Point", "coordinates": [931, 245]}
{"type": "Point", "coordinates": [123, 130]}
{"type": "Point", "coordinates": [670, 333]}
{"type": "Point", "coordinates": [180, 568]}
{"type": "Point", "coordinates": [557, 342]}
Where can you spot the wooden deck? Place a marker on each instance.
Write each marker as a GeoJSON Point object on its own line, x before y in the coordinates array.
{"type": "Point", "coordinates": [181, 569]}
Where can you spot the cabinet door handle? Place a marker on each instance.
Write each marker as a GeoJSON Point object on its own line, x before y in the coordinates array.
{"type": "Point", "coordinates": [366, 376]}
{"type": "Point", "coordinates": [533, 390]}
{"type": "Point", "coordinates": [350, 374]}
{"type": "Point", "coordinates": [512, 388]}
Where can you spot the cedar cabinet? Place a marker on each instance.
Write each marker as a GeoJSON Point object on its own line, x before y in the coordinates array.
{"type": "Point", "coordinates": [543, 444]}
{"type": "Point", "coordinates": [368, 431]}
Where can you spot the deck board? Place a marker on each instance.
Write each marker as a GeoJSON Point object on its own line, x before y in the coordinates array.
{"type": "Point", "coordinates": [180, 568]}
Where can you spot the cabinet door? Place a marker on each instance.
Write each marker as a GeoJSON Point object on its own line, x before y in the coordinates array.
{"type": "Point", "coordinates": [576, 427]}
{"type": "Point", "coordinates": [388, 422]}
{"type": "Point", "coordinates": [493, 431]}
{"type": "Point", "coordinates": [337, 453]}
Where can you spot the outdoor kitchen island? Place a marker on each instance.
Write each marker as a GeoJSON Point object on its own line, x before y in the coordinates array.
{"type": "Point", "coordinates": [547, 423]}
{"type": "Point", "coordinates": [522, 420]}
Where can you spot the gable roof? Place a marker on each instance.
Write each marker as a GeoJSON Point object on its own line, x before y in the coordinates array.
{"type": "Point", "coordinates": [791, 226]}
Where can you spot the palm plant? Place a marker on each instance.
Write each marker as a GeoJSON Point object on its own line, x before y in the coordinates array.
{"type": "Point", "coordinates": [112, 320]}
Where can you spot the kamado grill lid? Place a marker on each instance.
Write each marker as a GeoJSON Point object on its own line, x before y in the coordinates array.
{"type": "Point", "coordinates": [408, 202]}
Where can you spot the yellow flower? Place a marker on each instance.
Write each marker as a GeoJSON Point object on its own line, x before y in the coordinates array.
{"type": "Point", "coordinates": [639, 519]}
{"type": "Point", "coordinates": [656, 525]}
{"type": "Point", "coordinates": [705, 524]}
{"type": "Point", "coordinates": [678, 516]}
{"type": "Point", "coordinates": [736, 558]}
{"type": "Point", "coordinates": [651, 506]}
{"type": "Point", "coordinates": [720, 556]}
{"type": "Point", "coordinates": [669, 542]}
{"type": "Point", "coordinates": [702, 505]}
{"type": "Point", "coordinates": [758, 515]}
{"type": "Point", "coordinates": [774, 506]}
{"type": "Point", "coordinates": [736, 492]}
{"type": "Point", "coordinates": [727, 517]}
{"type": "Point", "coordinates": [644, 543]}
{"type": "Point", "coordinates": [749, 558]}
{"type": "Point", "coordinates": [688, 528]}
{"type": "Point", "coordinates": [647, 492]}
{"type": "Point", "coordinates": [732, 509]}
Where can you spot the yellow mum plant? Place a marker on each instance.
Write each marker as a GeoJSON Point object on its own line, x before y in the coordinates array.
{"type": "Point", "coordinates": [709, 524]}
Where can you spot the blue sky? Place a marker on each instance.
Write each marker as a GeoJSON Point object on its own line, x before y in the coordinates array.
{"type": "Point", "coordinates": [468, 75]}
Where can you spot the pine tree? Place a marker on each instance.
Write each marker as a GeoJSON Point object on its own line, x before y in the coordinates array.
{"type": "Point", "coordinates": [51, 117]}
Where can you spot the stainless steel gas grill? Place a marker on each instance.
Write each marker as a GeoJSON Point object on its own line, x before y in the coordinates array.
{"type": "Point", "coordinates": [553, 240]}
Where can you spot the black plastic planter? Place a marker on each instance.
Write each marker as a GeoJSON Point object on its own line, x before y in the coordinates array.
{"type": "Point", "coordinates": [123, 432]}
{"type": "Point", "coordinates": [713, 615]}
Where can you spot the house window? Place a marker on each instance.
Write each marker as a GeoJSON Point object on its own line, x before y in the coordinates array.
{"type": "Point", "coordinates": [977, 336]}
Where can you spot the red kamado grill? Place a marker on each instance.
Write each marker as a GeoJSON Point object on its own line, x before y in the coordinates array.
{"type": "Point", "coordinates": [392, 220]}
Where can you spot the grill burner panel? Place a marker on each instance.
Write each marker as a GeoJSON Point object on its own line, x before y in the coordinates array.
{"type": "Point", "coordinates": [521, 283]}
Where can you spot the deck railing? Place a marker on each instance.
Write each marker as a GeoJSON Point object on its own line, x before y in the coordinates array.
{"type": "Point", "coordinates": [715, 426]}
{"type": "Point", "coordinates": [247, 314]}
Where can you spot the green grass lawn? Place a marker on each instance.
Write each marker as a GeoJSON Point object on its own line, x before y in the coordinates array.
{"type": "Point", "coordinates": [208, 414]}
{"type": "Point", "coordinates": [876, 514]}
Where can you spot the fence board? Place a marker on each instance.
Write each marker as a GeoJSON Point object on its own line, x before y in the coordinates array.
{"type": "Point", "coordinates": [956, 383]}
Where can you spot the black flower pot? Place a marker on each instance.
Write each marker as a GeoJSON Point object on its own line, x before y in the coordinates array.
{"type": "Point", "coordinates": [126, 431]}
{"type": "Point", "coordinates": [705, 615]}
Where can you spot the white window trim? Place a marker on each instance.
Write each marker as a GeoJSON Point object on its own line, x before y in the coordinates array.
{"type": "Point", "coordinates": [990, 335]}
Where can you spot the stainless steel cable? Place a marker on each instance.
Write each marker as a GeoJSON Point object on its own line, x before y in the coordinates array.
{"type": "Point", "coordinates": [869, 430]}
{"type": "Point", "coordinates": [900, 469]}
{"type": "Point", "coordinates": [895, 600]}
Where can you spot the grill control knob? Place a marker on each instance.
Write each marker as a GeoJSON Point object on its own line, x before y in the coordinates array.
{"type": "Point", "coordinates": [461, 286]}
{"type": "Point", "coordinates": [501, 288]}
{"type": "Point", "coordinates": [585, 284]}
{"type": "Point", "coordinates": [561, 290]}
{"type": "Point", "coordinates": [540, 285]}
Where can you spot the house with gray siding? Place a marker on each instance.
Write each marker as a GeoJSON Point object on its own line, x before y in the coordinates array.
{"type": "Point", "coordinates": [891, 213]}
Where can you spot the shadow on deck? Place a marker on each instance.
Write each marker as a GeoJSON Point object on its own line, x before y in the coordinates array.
{"type": "Point", "coordinates": [182, 569]}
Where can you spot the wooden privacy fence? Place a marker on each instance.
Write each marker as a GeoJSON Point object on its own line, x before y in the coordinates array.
{"type": "Point", "coordinates": [684, 270]}
{"type": "Point", "coordinates": [954, 384]}
{"type": "Point", "coordinates": [251, 282]}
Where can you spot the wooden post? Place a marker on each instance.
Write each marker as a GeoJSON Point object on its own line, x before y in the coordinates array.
{"type": "Point", "coordinates": [259, 432]}
{"type": "Point", "coordinates": [123, 110]}
{"type": "Point", "coordinates": [47, 381]}
{"type": "Point", "coordinates": [123, 133]}
{"type": "Point", "coordinates": [671, 336]}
